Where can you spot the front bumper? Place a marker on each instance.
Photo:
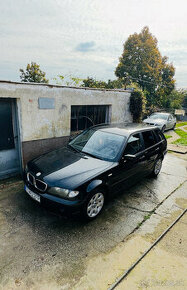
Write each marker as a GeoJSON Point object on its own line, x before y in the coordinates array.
{"type": "Point", "coordinates": [54, 202]}
{"type": "Point", "coordinates": [156, 125]}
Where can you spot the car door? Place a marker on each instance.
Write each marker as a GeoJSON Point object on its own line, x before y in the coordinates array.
{"type": "Point", "coordinates": [151, 148]}
{"type": "Point", "coordinates": [173, 121]}
{"type": "Point", "coordinates": [170, 122]}
{"type": "Point", "coordinates": [129, 169]}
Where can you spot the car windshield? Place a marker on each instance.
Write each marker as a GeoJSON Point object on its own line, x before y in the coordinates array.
{"type": "Point", "coordinates": [99, 144]}
{"type": "Point", "coordinates": [159, 116]}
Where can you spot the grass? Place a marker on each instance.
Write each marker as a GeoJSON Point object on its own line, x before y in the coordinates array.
{"type": "Point", "coordinates": [180, 124]}
{"type": "Point", "coordinates": [167, 136]}
{"type": "Point", "coordinates": [183, 139]}
{"type": "Point", "coordinates": [146, 217]}
{"type": "Point", "coordinates": [185, 127]}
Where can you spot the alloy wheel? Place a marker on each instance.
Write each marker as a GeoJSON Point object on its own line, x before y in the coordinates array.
{"type": "Point", "coordinates": [95, 205]}
{"type": "Point", "coordinates": [158, 166]}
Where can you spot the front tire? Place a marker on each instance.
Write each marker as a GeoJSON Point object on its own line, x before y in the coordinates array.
{"type": "Point", "coordinates": [157, 168]}
{"type": "Point", "coordinates": [174, 126]}
{"type": "Point", "coordinates": [94, 204]}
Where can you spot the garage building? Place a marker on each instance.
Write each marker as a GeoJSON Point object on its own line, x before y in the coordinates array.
{"type": "Point", "coordinates": [36, 118]}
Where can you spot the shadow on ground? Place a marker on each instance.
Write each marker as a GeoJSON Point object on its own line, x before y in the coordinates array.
{"type": "Point", "coordinates": [34, 240]}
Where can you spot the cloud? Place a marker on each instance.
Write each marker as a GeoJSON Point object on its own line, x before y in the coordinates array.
{"type": "Point", "coordinates": [85, 46]}
{"type": "Point", "coordinates": [86, 37]}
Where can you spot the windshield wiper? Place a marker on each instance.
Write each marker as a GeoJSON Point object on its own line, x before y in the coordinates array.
{"type": "Point", "coordinates": [91, 155]}
{"type": "Point", "coordinates": [75, 149]}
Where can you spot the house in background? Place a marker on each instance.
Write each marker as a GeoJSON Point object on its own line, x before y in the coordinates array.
{"type": "Point", "coordinates": [36, 118]}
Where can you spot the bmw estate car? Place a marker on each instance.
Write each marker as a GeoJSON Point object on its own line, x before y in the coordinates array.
{"type": "Point", "coordinates": [164, 121]}
{"type": "Point", "coordinates": [98, 163]}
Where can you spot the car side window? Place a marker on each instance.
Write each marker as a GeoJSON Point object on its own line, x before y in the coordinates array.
{"type": "Point", "coordinates": [160, 135]}
{"type": "Point", "coordinates": [149, 139]}
{"type": "Point", "coordinates": [134, 145]}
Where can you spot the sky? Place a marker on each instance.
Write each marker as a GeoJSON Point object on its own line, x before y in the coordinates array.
{"type": "Point", "coordinates": [85, 37]}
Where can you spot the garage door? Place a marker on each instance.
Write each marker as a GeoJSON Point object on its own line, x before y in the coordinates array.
{"type": "Point", "coordinates": [9, 155]}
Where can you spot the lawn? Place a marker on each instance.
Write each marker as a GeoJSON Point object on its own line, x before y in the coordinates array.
{"type": "Point", "coordinates": [183, 137]}
{"type": "Point", "coordinates": [167, 136]}
{"type": "Point", "coordinates": [180, 124]}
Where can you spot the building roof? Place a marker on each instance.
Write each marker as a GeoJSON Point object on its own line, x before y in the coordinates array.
{"type": "Point", "coordinates": [59, 86]}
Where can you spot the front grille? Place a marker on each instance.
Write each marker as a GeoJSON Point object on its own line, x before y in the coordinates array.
{"type": "Point", "coordinates": [30, 178]}
{"type": "Point", "coordinates": [40, 185]}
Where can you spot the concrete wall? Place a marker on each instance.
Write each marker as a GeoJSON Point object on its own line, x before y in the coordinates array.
{"type": "Point", "coordinates": [49, 128]}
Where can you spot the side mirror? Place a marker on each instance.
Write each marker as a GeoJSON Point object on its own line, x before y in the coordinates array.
{"type": "Point", "coordinates": [129, 157]}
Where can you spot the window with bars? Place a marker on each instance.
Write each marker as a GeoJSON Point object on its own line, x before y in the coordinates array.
{"type": "Point", "coordinates": [83, 117]}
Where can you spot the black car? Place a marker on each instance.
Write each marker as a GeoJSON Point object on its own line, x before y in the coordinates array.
{"type": "Point", "coordinates": [96, 164]}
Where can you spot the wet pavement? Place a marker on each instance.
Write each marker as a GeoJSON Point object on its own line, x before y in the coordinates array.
{"type": "Point", "coordinates": [165, 266]}
{"type": "Point", "coordinates": [40, 250]}
{"type": "Point", "coordinates": [176, 147]}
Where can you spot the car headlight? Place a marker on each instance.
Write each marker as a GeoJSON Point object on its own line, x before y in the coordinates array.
{"type": "Point", "coordinates": [158, 125]}
{"type": "Point", "coordinates": [62, 192]}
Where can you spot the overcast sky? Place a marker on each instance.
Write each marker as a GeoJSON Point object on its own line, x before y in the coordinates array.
{"type": "Point", "coordinates": [85, 37]}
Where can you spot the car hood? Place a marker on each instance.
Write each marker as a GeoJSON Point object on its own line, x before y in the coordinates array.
{"type": "Point", "coordinates": [66, 168]}
{"type": "Point", "coordinates": [154, 121]}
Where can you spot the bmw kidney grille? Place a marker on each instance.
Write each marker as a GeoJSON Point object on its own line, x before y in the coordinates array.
{"type": "Point", "coordinates": [38, 184]}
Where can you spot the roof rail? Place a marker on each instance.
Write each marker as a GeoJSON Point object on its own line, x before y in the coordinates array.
{"type": "Point", "coordinates": [98, 125]}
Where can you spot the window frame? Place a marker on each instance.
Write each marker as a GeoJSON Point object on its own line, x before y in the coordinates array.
{"type": "Point", "coordinates": [155, 136]}
{"type": "Point", "coordinates": [76, 115]}
{"type": "Point", "coordinates": [141, 140]}
{"type": "Point", "coordinates": [159, 135]}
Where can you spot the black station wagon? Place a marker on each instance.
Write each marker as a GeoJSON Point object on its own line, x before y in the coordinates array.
{"type": "Point", "coordinates": [96, 164]}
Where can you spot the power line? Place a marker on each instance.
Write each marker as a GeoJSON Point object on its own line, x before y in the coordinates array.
{"type": "Point", "coordinates": [153, 83]}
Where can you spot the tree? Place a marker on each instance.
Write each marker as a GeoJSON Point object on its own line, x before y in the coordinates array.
{"type": "Point", "coordinates": [167, 85]}
{"type": "Point", "coordinates": [110, 84]}
{"type": "Point", "coordinates": [184, 104]}
{"type": "Point", "coordinates": [33, 74]}
{"type": "Point", "coordinates": [137, 104]}
{"type": "Point", "coordinates": [175, 99]}
{"type": "Point", "coordinates": [92, 83]}
{"type": "Point", "coordinates": [143, 62]}
{"type": "Point", "coordinates": [68, 80]}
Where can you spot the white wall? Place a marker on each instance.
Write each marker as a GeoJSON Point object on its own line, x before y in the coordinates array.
{"type": "Point", "coordinates": [48, 123]}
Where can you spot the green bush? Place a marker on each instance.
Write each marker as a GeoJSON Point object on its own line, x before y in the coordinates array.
{"type": "Point", "coordinates": [137, 105]}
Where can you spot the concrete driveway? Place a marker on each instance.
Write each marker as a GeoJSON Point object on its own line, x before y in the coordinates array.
{"type": "Point", "coordinates": [39, 250]}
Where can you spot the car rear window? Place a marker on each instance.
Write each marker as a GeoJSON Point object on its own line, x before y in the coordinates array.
{"type": "Point", "coordinates": [149, 139]}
